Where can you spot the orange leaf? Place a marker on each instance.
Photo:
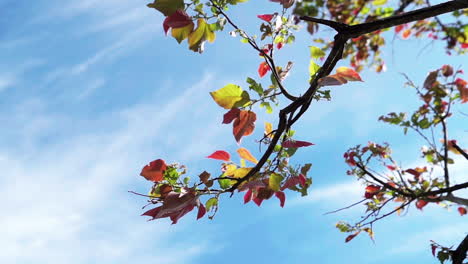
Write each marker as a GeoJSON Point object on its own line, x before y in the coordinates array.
{"type": "Point", "coordinates": [342, 76]}
{"type": "Point", "coordinates": [245, 154]}
{"type": "Point", "coordinates": [244, 125]}
{"type": "Point", "coordinates": [154, 171]}
{"type": "Point", "coordinates": [406, 33]}
{"type": "Point", "coordinates": [349, 74]}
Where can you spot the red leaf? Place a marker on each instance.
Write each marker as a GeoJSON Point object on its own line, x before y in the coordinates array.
{"type": "Point", "coordinates": [462, 210]}
{"type": "Point", "coordinates": [258, 201]}
{"type": "Point", "coordinates": [153, 212]}
{"type": "Point", "coordinates": [154, 171]}
{"type": "Point", "coordinates": [296, 144]}
{"type": "Point", "coordinates": [263, 68]}
{"type": "Point", "coordinates": [302, 180]}
{"type": "Point", "coordinates": [421, 203]}
{"type": "Point", "coordinates": [244, 125]}
{"type": "Point", "coordinates": [373, 189]}
{"type": "Point", "coordinates": [433, 249]}
{"type": "Point", "coordinates": [201, 211]}
{"type": "Point", "coordinates": [281, 197]}
{"type": "Point", "coordinates": [220, 155]}
{"type": "Point", "coordinates": [266, 17]}
{"type": "Point", "coordinates": [279, 45]}
{"type": "Point", "coordinates": [291, 182]}
{"type": "Point", "coordinates": [464, 45]}
{"type": "Point", "coordinates": [248, 196]}
{"type": "Point", "coordinates": [399, 28]}
{"type": "Point", "coordinates": [177, 20]}
{"type": "Point", "coordinates": [392, 168]}
{"type": "Point", "coordinates": [231, 115]}
{"type": "Point", "coordinates": [350, 237]}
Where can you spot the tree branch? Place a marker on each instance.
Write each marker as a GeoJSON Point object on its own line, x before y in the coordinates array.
{"type": "Point", "coordinates": [460, 150]}
{"type": "Point", "coordinates": [459, 255]}
{"type": "Point", "coordinates": [344, 34]}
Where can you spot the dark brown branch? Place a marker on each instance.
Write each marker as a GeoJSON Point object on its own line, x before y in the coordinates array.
{"type": "Point", "coordinates": [446, 172]}
{"type": "Point", "coordinates": [344, 33]}
{"type": "Point", "coordinates": [338, 26]}
{"type": "Point", "coordinates": [419, 14]}
{"type": "Point", "coordinates": [454, 199]}
{"type": "Point", "coordinates": [254, 45]}
{"type": "Point", "coordinates": [460, 150]}
{"type": "Point", "coordinates": [459, 255]}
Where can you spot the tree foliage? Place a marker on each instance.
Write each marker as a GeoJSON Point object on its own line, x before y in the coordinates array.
{"type": "Point", "coordinates": [360, 25]}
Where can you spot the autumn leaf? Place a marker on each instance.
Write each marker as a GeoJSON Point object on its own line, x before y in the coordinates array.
{"type": "Point", "coordinates": [406, 34]}
{"type": "Point", "coordinates": [282, 197]}
{"type": "Point", "coordinates": [241, 172]}
{"type": "Point", "coordinates": [245, 154]}
{"type": "Point", "coordinates": [263, 68]}
{"type": "Point", "coordinates": [231, 115]}
{"type": "Point", "coordinates": [229, 97]}
{"type": "Point", "coordinates": [204, 176]}
{"type": "Point", "coordinates": [430, 79]}
{"type": "Point", "coordinates": [266, 17]}
{"type": "Point", "coordinates": [180, 34]}
{"type": "Point", "coordinates": [296, 144]}
{"type": "Point", "coordinates": [268, 130]}
{"type": "Point", "coordinates": [462, 210]}
{"type": "Point", "coordinates": [342, 76]}
{"type": "Point", "coordinates": [199, 35]}
{"type": "Point", "coordinates": [248, 196]}
{"type": "Point", "coordinates": [179, 19]}
{"type": "Point", "coordinates": [167, 7]}
{"type": "Point", "coordinates": [154, 171]}
{"type": "Point", "coordinates": [201, 211]}
{"type": "Point", "coordinates": [421, 203]}
{"type": "Point", "coordinates": [350, 237]}
{"type": "Point", "coordinates": [244, 125]}
{"type": "Point", "coordinates": [220, 155]}
{"type": "Point", "coordinates": [274, 181]}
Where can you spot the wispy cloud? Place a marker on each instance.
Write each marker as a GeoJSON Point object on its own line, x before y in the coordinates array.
{"type": "Point", "coordinates": [66, 201]}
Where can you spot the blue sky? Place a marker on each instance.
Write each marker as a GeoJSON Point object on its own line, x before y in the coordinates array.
{"type": "Point", "coordinates": [92, 90]}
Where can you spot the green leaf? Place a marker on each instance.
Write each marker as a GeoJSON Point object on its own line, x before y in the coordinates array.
{"type": "Point", "coordinates": [267, 106]}
{"type": "Point", "coordinates": [230, 96]}
{"type": "Point", "coordinates": [210, 203]}
{"type": "Point", "coordinates": [316, 52]}
{"type": "Point", "coordinates": [224, 183]}
{"type": "Point", "coordinates": [313, 68]}
{"type": "Point", "coordinates": [253, 85]}
{"type": "Point", "coordinates": [291, 151]}
{"type": "Point", "coordinates": [306, 168]}
{"type": "Point", "coordinates": [167, 7]}
{"type": "Point", "coordinates": [275, 181]}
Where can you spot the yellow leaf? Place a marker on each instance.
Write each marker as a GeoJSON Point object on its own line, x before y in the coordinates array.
{"type": "Point", "coordinates": [230, 96]}
{"type": "Point", "coordinates": [182, 33]}
{"type": "Point", "coordinates": [230, 169]}
{"type": "Point", "coordinates": [268, 130]}
{"type": "Point", "coordinates": [245, 154]}
{"type": "Point", "coordinates": [197, 35]}
{"type": "Point", "coordinates": [241, 172]}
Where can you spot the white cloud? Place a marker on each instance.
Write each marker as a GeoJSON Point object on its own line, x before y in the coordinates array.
{"type": "Point", "coordinates": [446, 235]}
{"type": "Point", "coordinates": [66, 201]}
